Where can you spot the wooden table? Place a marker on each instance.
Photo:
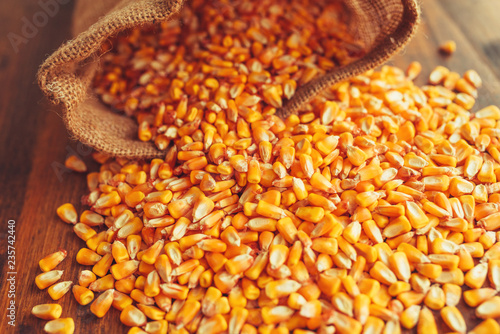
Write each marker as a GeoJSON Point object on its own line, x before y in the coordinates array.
{"type": "Point", "coordinates": [35, 141]}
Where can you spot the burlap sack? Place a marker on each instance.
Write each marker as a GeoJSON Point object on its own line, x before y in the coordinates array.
{"type": "Point", "coordinates": [384, 26]}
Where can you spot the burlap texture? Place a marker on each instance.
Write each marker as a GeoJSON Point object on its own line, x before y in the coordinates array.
{"type": "Point", "coordinates": [384, 26]}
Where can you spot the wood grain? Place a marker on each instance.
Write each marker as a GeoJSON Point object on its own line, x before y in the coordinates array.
{"type": "Point", "coordinates": [34, 140]}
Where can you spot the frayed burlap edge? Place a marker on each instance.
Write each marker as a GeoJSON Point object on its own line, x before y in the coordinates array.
{"type": "Point", "coordinates": [65, 77]}
{"type": "Point", "coordinates": [402, 22]}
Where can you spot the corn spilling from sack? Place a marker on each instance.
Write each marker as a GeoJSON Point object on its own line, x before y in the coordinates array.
{"type": "Point", "coordinates": [371, 210]}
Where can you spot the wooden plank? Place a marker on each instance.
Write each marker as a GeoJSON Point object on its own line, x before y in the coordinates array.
{"type": "Point", "coordinates": [439, 24]}
{"type": "Point", "coordinates": [477, 21]}
{"type": "Point", "coordinates": [34, 138]}
{"type": "Point", "coordinates": [437, 27]}
{"type": "Point", "coordinates": [47, 233]}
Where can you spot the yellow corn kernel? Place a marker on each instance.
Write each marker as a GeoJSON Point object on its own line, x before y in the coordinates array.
{"type": "Point", "coordinates": [355, 155]}
{"type": "Point", "coordinates": [432, 271]}
{"type": "Point", "coordinates": [239, 264]}
{"type": "Point", "coordinates": [152, 284]}
{"type": "Point", "coordinates": [410, 298]}
{"type": "Point", "coordinates": [276, 314]}
{"type": "Point", "coordinates": [400, 266]}
{"type": "Point", "coordinates": [102, 284]}
{"type": "Point", "coordinates": [345, 324]}
{"type": "Point", "coordinates": [86, 278]}
{"type": "Point", "coordinates": [124, 269]}
{"type": "Point", "coordinates": [60, 326]}
{"type": "Point", "coordinates": [416, 215]}
{"type": "Point", "coordinates": [320, 182]}
{"type": "Point", "coordinates": [369, 287]}
{"type": "Point", "coordinates": [489, 309]}
{"type": "Point", "coordinates": [455, 276]}
{"type": "Point", "coordinates": [82, 295]}
{"type": "Point", "coordinates": [485, 327]}
{"type": "Point", "coordinates": [382, 273]}
{"type": "Point", "coordinates": [426, 322]}
{"type": "Point", "coordinates": [67, 213]}
{"type": "Point", "coordinates": [108, 200]}
{"type": "Point", "coordinates": [475, 297]}
{"type": "Point", "coordinates": [48, 278]}
{"type": "Point", "coordinates": [51, 261]}
{"type": "Point", "coordinates": [174, 290]}
{"type": "Point", "coordinates": [58, 290]}
{"type": "Point", "coordinates": [187, 312]}
{"type": "Point", "coordinates": [132, 316]}
{"type": "Point", "coordinates": [213, 324]}
{"type": "Point", "coordinates": [47, 311]}
{"type": "Point", "coordinates": [87, 257]}
{"type": "Point", "coordinates": [409, 317]}
{"type": "Point", "coordinates": [312, 213]}
{"type": "Point", "coordinates": [121, 300]}
{"type": "Point", "coordinates": [448, 48]}
{"type": "Point", "coordinates": [476, 277]}
{"type": "Point", "coordinates": [102, 303]}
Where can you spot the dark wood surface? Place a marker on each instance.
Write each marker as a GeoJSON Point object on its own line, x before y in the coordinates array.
{"type": "Point", "coordinates": [34, 141]}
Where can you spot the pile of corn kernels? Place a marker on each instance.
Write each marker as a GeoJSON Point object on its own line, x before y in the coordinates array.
{"type": "Point", "coordinates": [240, 58]}
{"type": "Point", "coordinates": [372, 209]}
